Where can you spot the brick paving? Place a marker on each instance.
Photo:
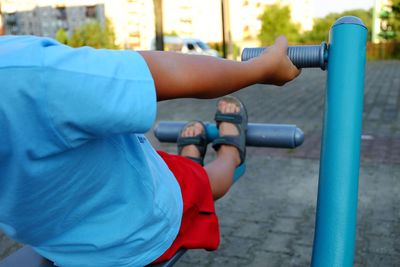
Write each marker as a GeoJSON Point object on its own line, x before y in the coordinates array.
{"type": "Point", "coordinates": [267, 219]}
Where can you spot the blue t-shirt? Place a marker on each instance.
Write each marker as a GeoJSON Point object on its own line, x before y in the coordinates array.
{"type": "Point", "coordinates": [79, 181]}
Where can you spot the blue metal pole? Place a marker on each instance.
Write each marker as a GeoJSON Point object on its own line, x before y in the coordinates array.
{"type": "Point", "coordinates": [340, 152]}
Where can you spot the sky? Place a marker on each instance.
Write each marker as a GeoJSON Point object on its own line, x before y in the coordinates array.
{"type": "Point", "coordinates": [323, 7]}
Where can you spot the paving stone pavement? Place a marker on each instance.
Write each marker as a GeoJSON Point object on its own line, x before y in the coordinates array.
{"type": "Point", "coordinates": [267, 219]}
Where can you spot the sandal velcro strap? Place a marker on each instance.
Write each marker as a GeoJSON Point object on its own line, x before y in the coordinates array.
{"type": "Point", "coordinates": [238, 119]}
{"type": "Point", "coordinates": [200, 141]}
{"type": "Point", "coordinates": [184, 141]}
{"type": "Point", "coordinates": [228, 117]}
{"type": "Point", "coordinates": [232, 140]}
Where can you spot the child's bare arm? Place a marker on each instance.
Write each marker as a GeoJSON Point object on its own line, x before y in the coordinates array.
{"type": "Point", "coordinates": [178, 75]}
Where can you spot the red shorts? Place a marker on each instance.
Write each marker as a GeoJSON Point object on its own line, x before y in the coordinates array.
{"type": "Point", "coordinates": [199, 226]}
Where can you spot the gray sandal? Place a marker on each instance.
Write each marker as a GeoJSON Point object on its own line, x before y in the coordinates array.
{"type": "Point", "coordinates": [200, 141]}
{"type": "Point", "coordinates": [239, 119]}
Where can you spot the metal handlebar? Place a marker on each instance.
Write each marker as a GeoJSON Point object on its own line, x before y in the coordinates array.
{"type": "Point", "coordinates": [258, 134]}
{"type": "Point", "coordinates": [304, 56]}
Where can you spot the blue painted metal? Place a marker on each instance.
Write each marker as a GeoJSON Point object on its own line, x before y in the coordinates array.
{"type": "Point", "coordinates": [212, 131]}
{"type": "Point", "coordinates": [240, 170]}
{"type": "Point", "coordinates": [340, 152]}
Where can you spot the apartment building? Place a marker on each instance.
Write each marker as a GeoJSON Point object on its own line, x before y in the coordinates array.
{"type": "Point", "coordinates": [46, 17]}
{"type": "Point", "coordinates": [133, 20]}
{"type": "Point", "coordinates": [202, 19]}
{"type": "Point", "coordinates": [193, 18]}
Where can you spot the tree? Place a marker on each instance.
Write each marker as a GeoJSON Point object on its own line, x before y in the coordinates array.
{"type": "Point", "coordinates": [390, 26]}
{"type": "Point", "coordinates": [275, 21]}
{"type": "Point", "coordinates": [395, 18]}
{"type": "Point", "coordinates": [90, 34]}
{"type": "Point", "coordinates": [110, 34]}
{"type": "Point", "coordinates": [62, 36]}
{"type": "Point", "coordinates": [94, 35]}
{"type": "Point", "coordinates": [322, 26]}
{"type": "Point", "coordinates": [319, 31]}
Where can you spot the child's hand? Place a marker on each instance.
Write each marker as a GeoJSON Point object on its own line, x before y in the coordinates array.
{"type": "Point", "coordinates": [274, 66]}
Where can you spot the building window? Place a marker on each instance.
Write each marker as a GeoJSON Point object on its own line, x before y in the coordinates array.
{"type": "Point", "coordinates": [91, 12]}
{"type": "Point", "coordinates": [12, 23]}
{"type": "Point", "coordinates": [61, 13]}
{"type": "Point", "coordinates": [186, 20]}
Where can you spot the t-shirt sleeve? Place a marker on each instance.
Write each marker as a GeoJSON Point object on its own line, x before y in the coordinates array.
{"type": "Point", "coordinates": [93, 93]}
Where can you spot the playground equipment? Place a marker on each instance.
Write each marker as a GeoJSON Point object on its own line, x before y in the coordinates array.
{"type": "Point", "coordinates": [344, 59]}
{"type": "Point", "coordinates": [259, 135]}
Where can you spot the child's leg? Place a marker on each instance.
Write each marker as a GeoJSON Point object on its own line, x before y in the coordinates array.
{"type": "Point", "coordinates": [221, 170]}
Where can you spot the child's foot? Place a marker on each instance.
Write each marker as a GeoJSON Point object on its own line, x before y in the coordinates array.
{"type": "Point", "coordinates": [192, 141]}
{"type": "Point", "coordinates": [231, 120]}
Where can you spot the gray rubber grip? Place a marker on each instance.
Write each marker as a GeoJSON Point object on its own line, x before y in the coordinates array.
{"type": "Point", "coordinates": [258, 134]}
{"type": "Point", "coordinates": [303, 56]}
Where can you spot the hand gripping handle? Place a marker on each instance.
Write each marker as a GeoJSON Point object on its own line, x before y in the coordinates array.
{"type": "Point", "coordinates": [302, 56]}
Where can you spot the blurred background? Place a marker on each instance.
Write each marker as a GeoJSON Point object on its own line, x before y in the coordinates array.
{"type": "Point", "coordinates": [189, 26]}
{"type": "Point", "coordinates": [268, 218]}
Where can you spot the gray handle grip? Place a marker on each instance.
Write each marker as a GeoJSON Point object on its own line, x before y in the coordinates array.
{"type": "Point", "coordinates": [303, 56]}
{"type": "Point", "coordinates": [258, 134]}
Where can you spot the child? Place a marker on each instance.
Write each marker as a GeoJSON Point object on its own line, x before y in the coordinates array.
{"type": "Point", "coordinates": [79, 181]}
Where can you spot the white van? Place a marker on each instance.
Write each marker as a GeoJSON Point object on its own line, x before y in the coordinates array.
{"type": "Point", "coordinates": [186, 45]}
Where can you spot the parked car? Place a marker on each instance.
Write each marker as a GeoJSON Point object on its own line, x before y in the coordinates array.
{"type": "Point", "coordinates": [186, 45]}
